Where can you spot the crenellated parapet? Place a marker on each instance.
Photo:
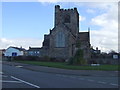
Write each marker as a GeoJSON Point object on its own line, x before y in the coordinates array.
{"type": "Point", "coordinates": [57, 9]}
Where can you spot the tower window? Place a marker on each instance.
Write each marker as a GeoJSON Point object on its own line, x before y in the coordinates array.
{"type": "Point", "coordinates": [67, 19]}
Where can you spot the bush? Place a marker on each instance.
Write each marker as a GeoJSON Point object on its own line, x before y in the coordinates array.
{"type": "Point", "coordinates": [29, 58]}
{"type": "Point", "coordinates": [70, 61]}
{"type": "Point", "coordinates": [59, 60]}
{"type": "Point", "coordinates": [46, 58]}
{"type": "Point", "coordinates": [53, 59]}
{"type": "Point", "coordinates": [78, 58]}
{"type": "Point", "coordinates": [36, 58]}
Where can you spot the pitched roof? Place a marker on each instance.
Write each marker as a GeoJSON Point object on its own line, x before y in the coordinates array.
{"type": "Point", "coordinates": [20, 49]}
{"type": "Point", "coordinates": [34, 49]}
{"type": "Point", "coordinates": [83, 36]}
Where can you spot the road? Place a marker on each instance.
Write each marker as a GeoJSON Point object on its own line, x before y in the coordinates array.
{"type": "Point", "coordinates": [17, 77]}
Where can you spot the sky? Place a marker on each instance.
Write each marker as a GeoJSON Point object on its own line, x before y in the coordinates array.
{"type": "Point", "coordinates": [25, 23]}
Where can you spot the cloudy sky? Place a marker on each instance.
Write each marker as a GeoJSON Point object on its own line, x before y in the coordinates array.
{"type": "Point", "coordinates": [25, 23]}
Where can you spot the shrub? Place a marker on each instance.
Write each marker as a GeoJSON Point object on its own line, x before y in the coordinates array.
{"type": "Point", "coordinates": [52, 59]}
{"type": "Point", "coordinates": [46, 58]}
{"type": "Point", "coordinates": [78, 58]}
{"type": "Point", "coordinates": [60, 60]}
{"type": "Point", "coordinates": [29, 58]}
{"type": "Point", "coordinates": [70, 61]}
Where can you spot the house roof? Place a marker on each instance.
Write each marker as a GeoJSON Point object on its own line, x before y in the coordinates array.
{"type": "Point", "coordinates": [2, 50]}
{"type": "Point", "coordinates": [20, 49]}
{"type": "Point", "coordinates": [34, 49]}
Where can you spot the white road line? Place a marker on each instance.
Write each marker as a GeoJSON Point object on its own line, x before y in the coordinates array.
{"type": "Point", "coordinates": [25, 82]}
{"type": "Point", "coordinates": [3, 76]}
{"type": "Point", "coordinates": [101, 82]}
{"type": "Point", "coordinates": [113, 84]}
{"type": "Point", "coordinates": [1, 72]}
{"type": "Point", "coordinates": [10, 81]}
{"type": "Point", "coordinates": [19, 66]}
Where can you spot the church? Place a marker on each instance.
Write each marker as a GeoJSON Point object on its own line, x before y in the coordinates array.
{"type": "Point", "coordinates": [62, 39]}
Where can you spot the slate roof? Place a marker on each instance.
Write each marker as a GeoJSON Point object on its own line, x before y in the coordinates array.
{"type": "Point", "coordinates": [34, 49]}
{"type": "Point", "coordinates": [83, 36]}
{"type": "Point", "coordinates": [20, 49]}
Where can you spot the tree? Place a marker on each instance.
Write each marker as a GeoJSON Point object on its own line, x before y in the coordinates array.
{"type": "Point", "coordinates": [112, 52]}
{"type": "Point", "coordinates": [78, 57]}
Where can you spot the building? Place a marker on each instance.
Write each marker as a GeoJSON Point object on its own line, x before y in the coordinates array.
{"type": "Point", "coordinates": [33, 51]}
{"type": "Point", "coordinates": [96, 51]}
{"type": "Point", "coordinates": [62, 39]}
{"type": "Point", "coordinates": [2, 53]}
{"type": "Point", "coordinates": [14, 51]}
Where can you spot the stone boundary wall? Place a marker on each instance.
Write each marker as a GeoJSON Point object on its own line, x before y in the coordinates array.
{"type": "Point", "coordinates": [104, 61]}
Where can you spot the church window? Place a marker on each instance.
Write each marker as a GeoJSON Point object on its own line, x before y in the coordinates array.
{"type": "Point", "coordinates": [60, 39]}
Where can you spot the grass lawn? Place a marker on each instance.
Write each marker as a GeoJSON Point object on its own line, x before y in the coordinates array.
{"type": "Point", "coordinates": [73, 67]}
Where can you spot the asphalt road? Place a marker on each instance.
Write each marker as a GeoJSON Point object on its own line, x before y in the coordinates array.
{"type": "Point", "coordinates": [17, 77]}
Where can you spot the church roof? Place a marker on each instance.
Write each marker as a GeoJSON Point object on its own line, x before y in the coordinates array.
{"type": "Point", "coordinates": [83, 36]}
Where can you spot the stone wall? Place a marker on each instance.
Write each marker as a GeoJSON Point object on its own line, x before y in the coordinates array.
{"type": "Point", "coordinates": [104, 61]}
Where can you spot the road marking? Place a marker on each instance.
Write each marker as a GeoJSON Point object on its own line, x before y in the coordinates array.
{"type": "Point", "coordinates": [102, 82]}
{"type": "Point", "coordinates": [25, 82]}
{"type": "Point", "coordinates": [3, 76]}
{"type": "Point", "coordinates": [1, 72]}
{"type": "Point", "coordinates": [113, 84]}
{"type": "Point", "coordinates": [10, 81]}
{"type": "Point", "coordinates": [19, 66]}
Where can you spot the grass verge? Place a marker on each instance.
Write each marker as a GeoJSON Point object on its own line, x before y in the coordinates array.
{"type": "Point", "coordinates": [72, 67]}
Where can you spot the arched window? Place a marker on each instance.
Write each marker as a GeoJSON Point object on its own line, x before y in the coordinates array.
{"type": "Point", "coordinates": [60, 39]}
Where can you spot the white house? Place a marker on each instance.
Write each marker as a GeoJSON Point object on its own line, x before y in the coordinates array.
{"type": "Point", "coordinates": [14, 51]}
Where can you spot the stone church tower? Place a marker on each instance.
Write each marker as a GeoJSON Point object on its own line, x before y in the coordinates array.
{"type": "Point", "coordinates": [61, 42]}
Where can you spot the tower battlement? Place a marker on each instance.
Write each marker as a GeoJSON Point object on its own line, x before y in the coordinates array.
{"type": "Point", "coordinates": [57, 8]}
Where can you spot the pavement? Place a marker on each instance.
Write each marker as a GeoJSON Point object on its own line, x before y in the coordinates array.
{"type": "Point", "coordinates": [63, 71]}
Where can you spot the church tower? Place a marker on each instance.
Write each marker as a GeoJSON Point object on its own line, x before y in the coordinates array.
{"type": "Point", "coordinates": [68, 17]}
